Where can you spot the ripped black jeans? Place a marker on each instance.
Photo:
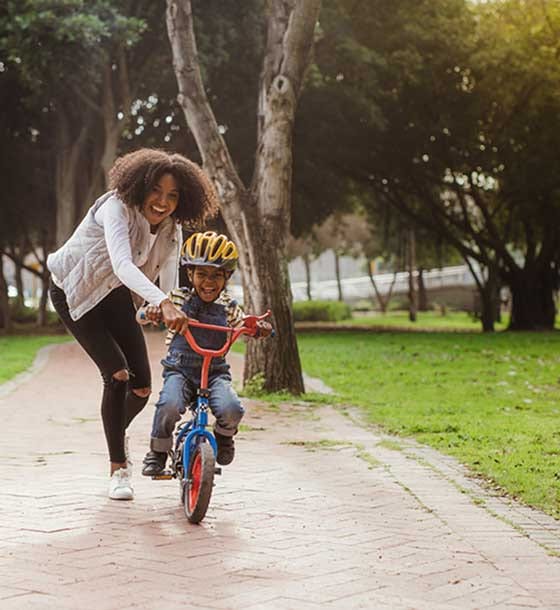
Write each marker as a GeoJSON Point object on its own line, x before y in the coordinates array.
{"type": "Point", "coordinates": [112, 338]}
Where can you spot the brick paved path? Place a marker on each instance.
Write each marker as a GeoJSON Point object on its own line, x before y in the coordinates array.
{"type": "Point", "coordinates": [316, 512]}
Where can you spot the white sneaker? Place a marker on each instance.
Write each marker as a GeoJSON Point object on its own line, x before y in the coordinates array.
{"type": "Point", "coordinates": [120, 486]}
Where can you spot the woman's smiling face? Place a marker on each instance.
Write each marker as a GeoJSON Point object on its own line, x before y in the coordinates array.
{"type": "Point", "coordinates": [162, 200]}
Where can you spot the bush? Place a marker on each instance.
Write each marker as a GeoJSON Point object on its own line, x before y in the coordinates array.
{"type": "Point", "coordinates": [22, 315]}
{"type": "Point", "coordinates": [321, 311]}
{"type": "Point", "coordinates": [254, 387]}
{"type": "Point", "coordinates": [28, 315]}
{"type": "Point", "coordinates": [363, 306]}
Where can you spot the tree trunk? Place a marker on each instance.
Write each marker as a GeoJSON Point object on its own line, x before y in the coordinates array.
{"type": "Point", "coordinates": [422, 292]}
{"type": "Point", "coordinates": [105, 130]}
{"type": "Point", "coordinates": [497, 303]}
{"type": "Point", "coordinates": [337, 275]}
{"type": "Point", "coordinates": [42, 310]}
{"type": "Point", "coordinates": [258, 217]}
{"type": "Point", "coordinates": [46, 246]}
{"type": "Point", "coordinates": [307, 264]}
{"type": "Point", "coordinates": [488, 306]}
{"type": "Point", "coordinates": [5, 317]}
{"type": "Point", "coordinates": [412, 293]}
{"type": "Point", "coordinates": [67, 163]}
{"type": "Point", "coordinates": [532, 298]}
{"type": "Point", "coordinates": [20, 299]}
{"type": "Point", "coordinates": [112, 126]}
{"type": "Point", "coordinates": [273, 357]}
{"type": "Point", "coordinates": [380, 300]}
{"type": "Point", "coordinates": [486, 288]}
{"type": "Point", "coordinates": [383, 302]}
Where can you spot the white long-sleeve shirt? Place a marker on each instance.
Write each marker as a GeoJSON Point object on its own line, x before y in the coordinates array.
{"type": "Point", "coordinates": [113, 216]}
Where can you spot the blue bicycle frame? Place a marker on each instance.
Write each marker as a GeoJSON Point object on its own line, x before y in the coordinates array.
{"type": "Point", "coordinates": [194, 429]}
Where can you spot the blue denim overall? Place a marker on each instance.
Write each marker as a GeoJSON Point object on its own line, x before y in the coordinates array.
{"type": "Point", "coordinates": [181, 378]}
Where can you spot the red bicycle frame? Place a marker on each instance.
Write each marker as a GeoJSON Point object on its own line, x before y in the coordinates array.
{"type": "Point", "coordinates": [249, 327]}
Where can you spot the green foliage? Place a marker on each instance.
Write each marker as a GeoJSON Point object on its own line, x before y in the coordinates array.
{"type": "Point", "coordinates": [321, 311]}
{"type": "Point", "coordinates": [405, 100]}
{"type": "Point", "coordinates": [442, 113]}
{"type": "Point", "coordinates": [55, 54]}
{"type": "Point", "coordinates": [376, 67]}
{"type": "Point", "coordinates": [231, 40]}
{"type": "Point", "coordinates": [28, 315]}
{"type": "Point", "coordinates": [489, 400]}
{"type": "Point", "coordinates": [22, 315]}
{"type": "Point", "coordinates": [425, 321]}
{"type": "Point", "coordinates": [230, 43]}
{"type": "Point", "coordinates": [72, 37]}
{"type": "Point", "coordinates": [254, 387]}
{"type": "Point", "coordinates": [363, 305]}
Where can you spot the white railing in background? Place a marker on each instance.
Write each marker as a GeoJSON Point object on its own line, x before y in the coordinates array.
{"type": "Point", "coordinates": [355, 288]}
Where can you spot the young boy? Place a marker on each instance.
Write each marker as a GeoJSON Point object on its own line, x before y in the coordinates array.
{"type": "Point", "coordinates": [210, 259]}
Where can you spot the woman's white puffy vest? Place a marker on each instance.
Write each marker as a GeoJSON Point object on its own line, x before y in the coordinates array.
{"type": "Point", "coordinates": [82, 266]}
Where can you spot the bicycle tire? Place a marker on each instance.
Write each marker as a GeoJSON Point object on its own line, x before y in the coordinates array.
{"type": "Point", "coordinates": [200, 482]}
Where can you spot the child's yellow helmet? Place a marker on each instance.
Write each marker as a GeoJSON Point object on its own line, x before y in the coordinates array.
{"type": "Point", "coordinates": [210, 249]}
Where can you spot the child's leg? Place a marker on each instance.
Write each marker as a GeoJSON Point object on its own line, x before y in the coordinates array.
{"type": "Point", "coordinates": [171, 404]}
{"type": "Point", "coordinates": [224, 404]}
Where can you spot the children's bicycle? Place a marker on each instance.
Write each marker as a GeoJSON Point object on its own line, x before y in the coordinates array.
{"type": "Point", "coordinates": [193, 459]}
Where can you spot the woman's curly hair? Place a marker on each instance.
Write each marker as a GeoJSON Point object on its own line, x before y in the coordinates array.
{"type": "Point", "coordinates": [134, 176]}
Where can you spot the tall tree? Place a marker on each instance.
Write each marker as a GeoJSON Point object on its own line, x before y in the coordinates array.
{"type": "Point", "coordinates": [27, 206]}
{"type": "Point", "coordinates": [257, 214]}
{"type": "Point", "coordinates": [518, 82]}
{"type": "Point", "coordinates": [80, 82]}
{"type": "Point", "coordinates": [459, 97]}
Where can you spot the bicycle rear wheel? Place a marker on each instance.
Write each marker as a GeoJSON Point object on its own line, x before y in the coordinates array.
{"type": "Point", "coordinates": [200, 481]}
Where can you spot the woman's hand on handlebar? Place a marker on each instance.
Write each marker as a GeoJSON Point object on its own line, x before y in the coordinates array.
{"type": "Point", "coordinates": [174, 318]}
{"type": "Point", "coordinates": [153, 314]}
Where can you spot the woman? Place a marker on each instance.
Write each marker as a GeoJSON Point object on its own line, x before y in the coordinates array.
{"type": "Point", "coordinates": [128, 239]}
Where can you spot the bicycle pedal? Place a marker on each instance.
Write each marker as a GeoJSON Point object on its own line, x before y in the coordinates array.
{"type": "Point", "coordinates": [166, 475]}
{"type": "Point", "coordinates": [217, 470]}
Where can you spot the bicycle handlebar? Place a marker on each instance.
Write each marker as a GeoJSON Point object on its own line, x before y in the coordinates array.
{"type": "Point", "coordinates": [249, 327]}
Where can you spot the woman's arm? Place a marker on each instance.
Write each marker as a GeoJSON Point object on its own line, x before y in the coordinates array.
{"type": "Point", "coordinates": [113, 215]}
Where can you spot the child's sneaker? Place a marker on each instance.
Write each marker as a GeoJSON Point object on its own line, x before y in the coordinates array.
{"type": "Point", "coordinates": [226, 449]}
{"type": "Point", "coordinates": [154, 463]}
{"type": "Point", "coordinates": [120, 486]}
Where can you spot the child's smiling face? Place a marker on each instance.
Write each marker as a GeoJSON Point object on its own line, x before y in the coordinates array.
{"type": "Point", "coordinates": [207, 281]}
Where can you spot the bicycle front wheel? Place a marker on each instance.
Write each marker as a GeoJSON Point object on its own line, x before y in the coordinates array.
{"type": "Point", "coordinates": [200, 481]}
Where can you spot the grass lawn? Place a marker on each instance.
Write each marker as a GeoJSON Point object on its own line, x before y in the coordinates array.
{"type": "Point", "coordinates": [17, 352]}
{"type": "Point", "coordinates": [426, 320]}
{"type": "Point", "coordinates": [492, 401]}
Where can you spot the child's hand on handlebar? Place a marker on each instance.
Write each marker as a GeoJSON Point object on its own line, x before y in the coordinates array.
{"type": "Point", "coordinates": [264, 328]}
{"type": "Point", "coordinates": [173, 317]}
{"type": "Point", "coordinates": [184, 325]}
